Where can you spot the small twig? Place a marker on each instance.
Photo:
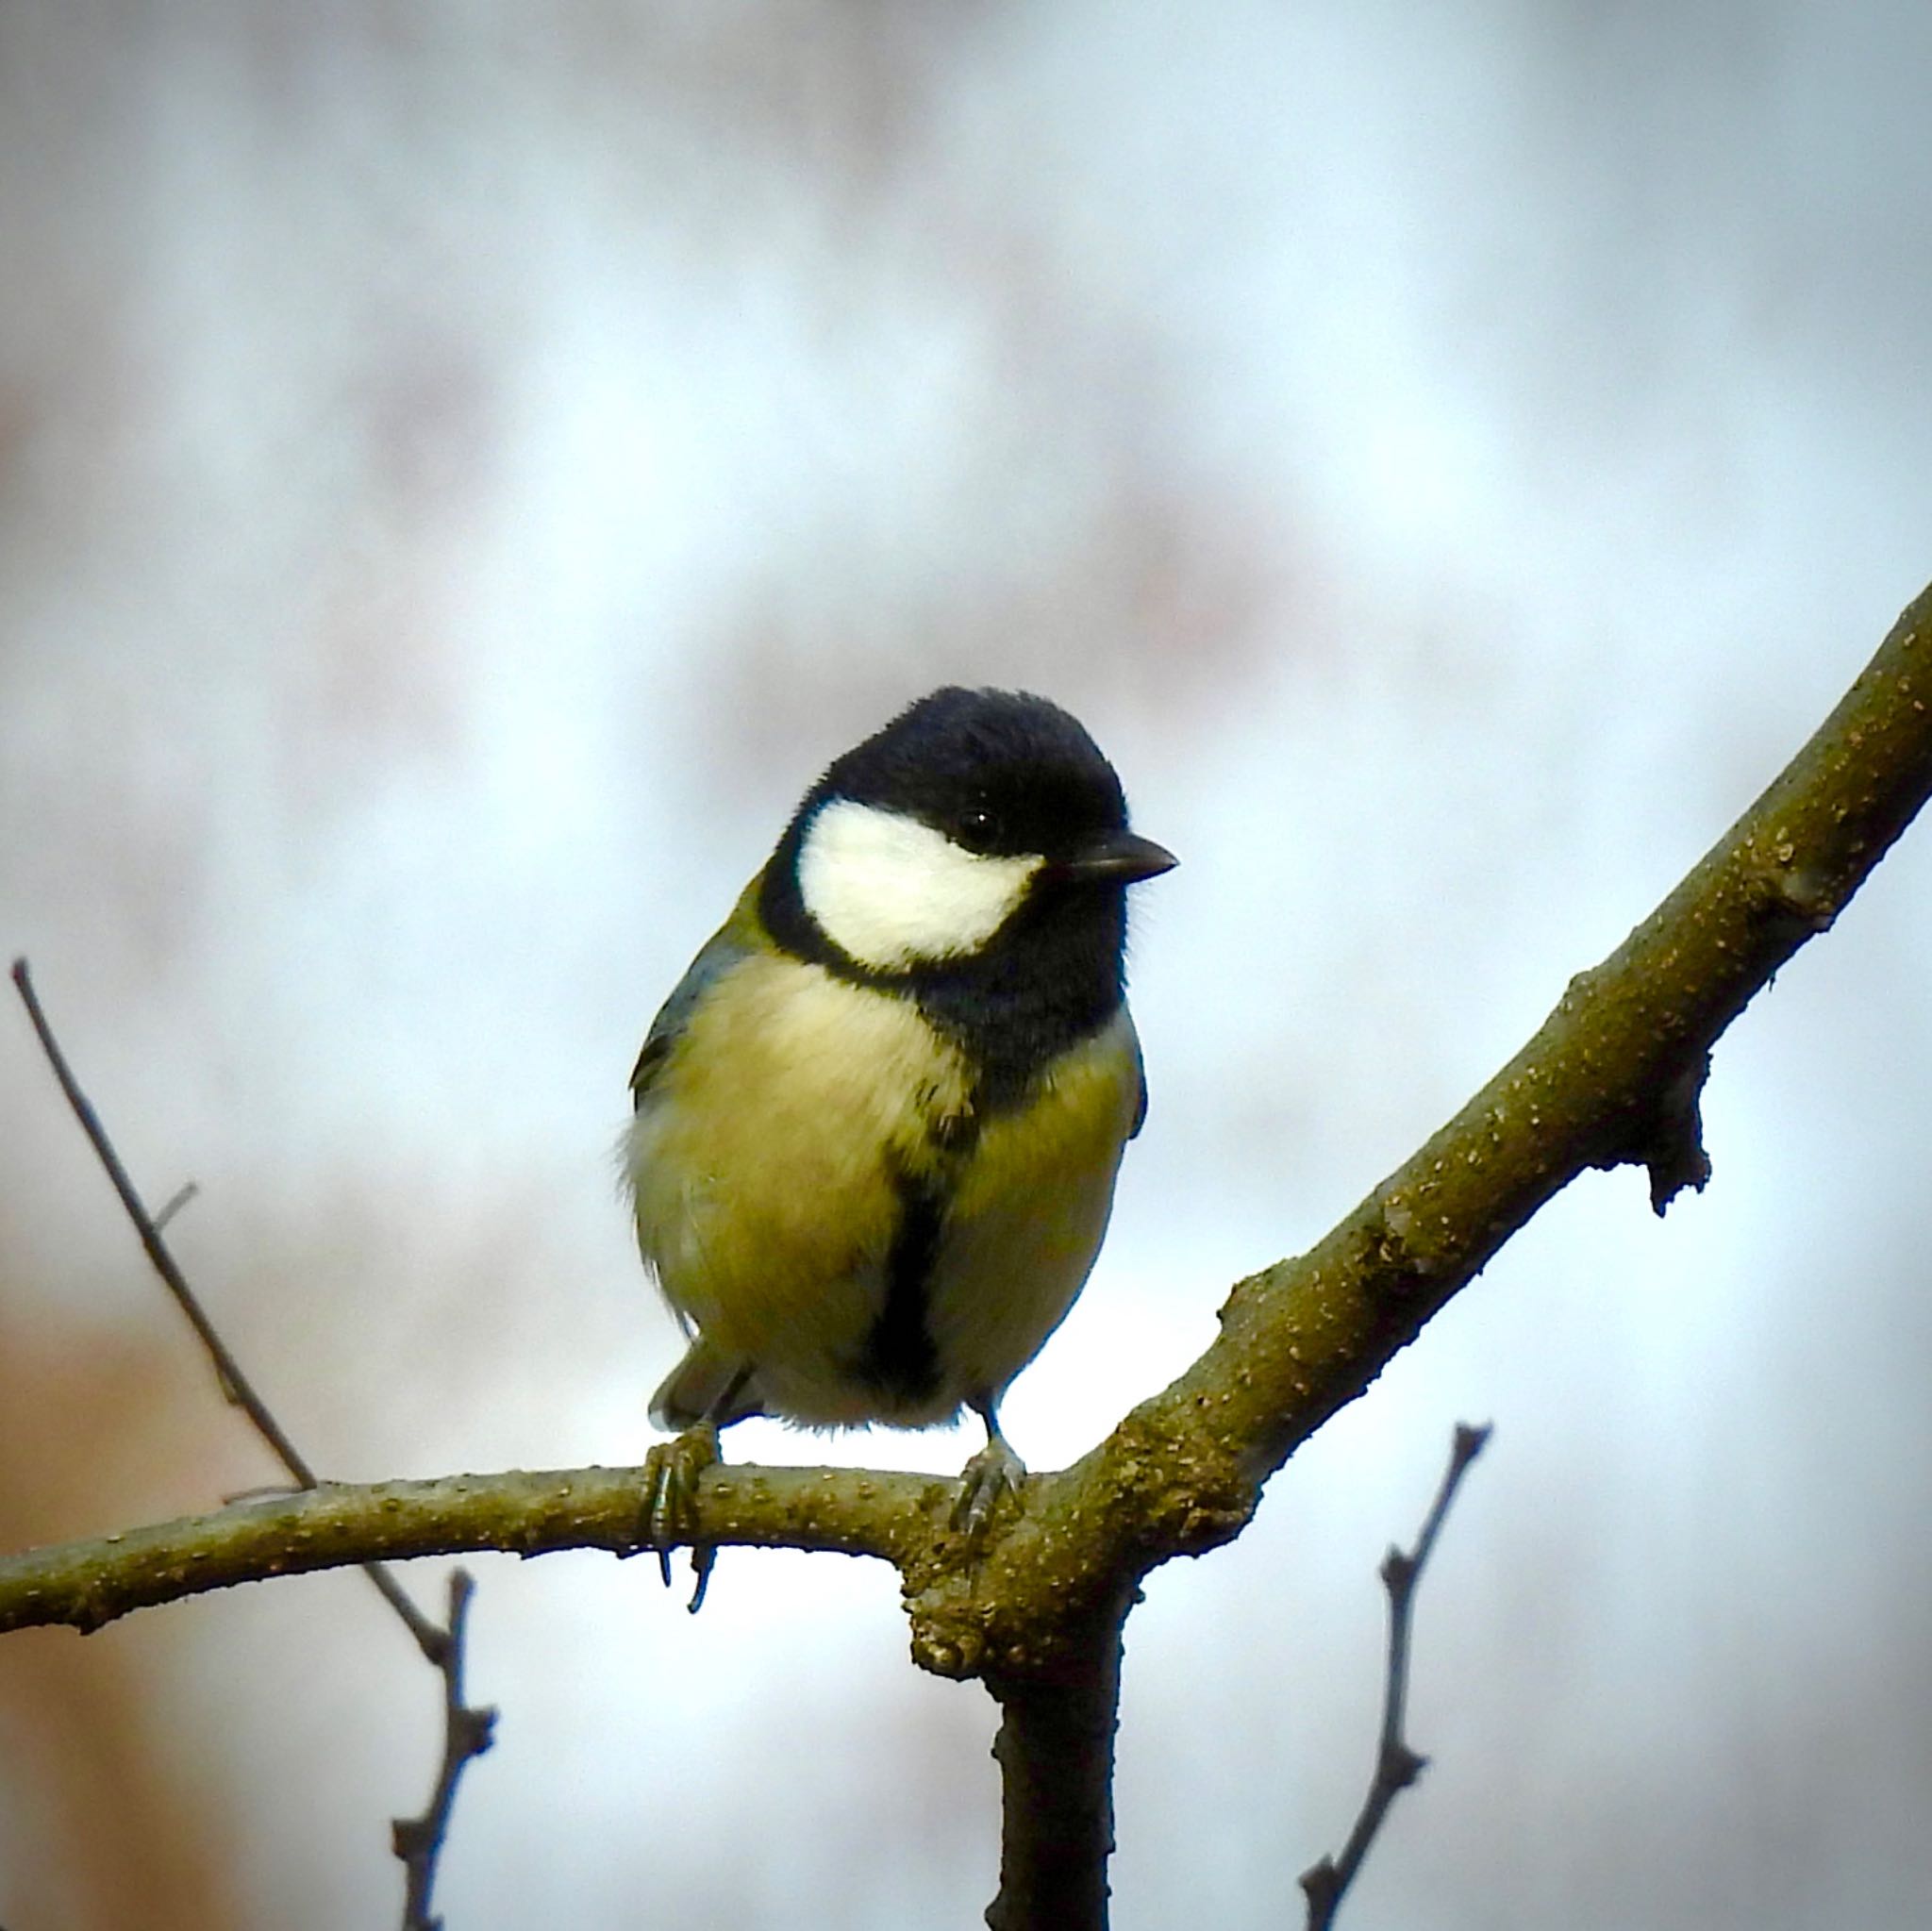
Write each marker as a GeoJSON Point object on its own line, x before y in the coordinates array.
{"type": "Point", "coordinates": [235, 1385]}
{"type": "Point", "coordinates": [466, 1733]}
{"type": "Point", "coordinates": [181, 1196]}
{"type": "Point", "coordinates": [1397, 1766]}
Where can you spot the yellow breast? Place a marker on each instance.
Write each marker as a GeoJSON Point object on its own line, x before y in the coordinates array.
{"type": "Point", "coordinates": [769, 1165]}
{"type": "Point", "coordinates": [762, 1162]}
{"type": "Point", "coordinates": [1030, 1211]}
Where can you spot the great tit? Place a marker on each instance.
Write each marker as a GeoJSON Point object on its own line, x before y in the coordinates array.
{"type": "Point", "coordinates": [878, 1121]}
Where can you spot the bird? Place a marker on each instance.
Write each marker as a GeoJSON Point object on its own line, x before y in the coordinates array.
{"type": "Point", "coordinates": [878, 1123]}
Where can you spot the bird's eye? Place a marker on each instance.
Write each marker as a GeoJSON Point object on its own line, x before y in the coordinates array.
{"type": "Point", "coordinates": [978, 829]}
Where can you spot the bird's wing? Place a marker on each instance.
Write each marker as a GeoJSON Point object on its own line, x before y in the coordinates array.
{"type": "Point", "coordinates": [1140, 1082]}
{"type": "Point", "coordinates": [737, 939]}
{"type": "Point", "coordinates": [705, 1386]}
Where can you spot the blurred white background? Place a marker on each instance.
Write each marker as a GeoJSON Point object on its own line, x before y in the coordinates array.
{"type": "Point", "coordinates": [463, 469]}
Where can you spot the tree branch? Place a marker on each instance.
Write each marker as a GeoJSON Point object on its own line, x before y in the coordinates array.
{"type": "Point", "coordinates": [90, 1583]}
{"type": "Point", "coordinates": [1611, 1077]}
{"type": "Point", "coordinates": [1054, 1749]}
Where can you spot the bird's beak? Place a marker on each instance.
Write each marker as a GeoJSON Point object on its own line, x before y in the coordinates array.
{"type": "Point", "coordinates": [1117, 857]}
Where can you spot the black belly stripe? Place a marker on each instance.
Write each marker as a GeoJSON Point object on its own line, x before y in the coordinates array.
{"type": "Point", "coordinates": [899, 1358]}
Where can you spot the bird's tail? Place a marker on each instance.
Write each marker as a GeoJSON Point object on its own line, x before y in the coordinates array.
{"type": "Point", "coordinates": [705, 1386]}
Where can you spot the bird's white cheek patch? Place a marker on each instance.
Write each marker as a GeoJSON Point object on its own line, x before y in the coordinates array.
{"type": "Point", "coordinates": [892, 893]}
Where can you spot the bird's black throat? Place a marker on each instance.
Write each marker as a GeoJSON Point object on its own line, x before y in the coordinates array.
{"type": "Point", "coordinates": [900, 1358]}
{"type": "Point", "coordinates": [1052, 976]}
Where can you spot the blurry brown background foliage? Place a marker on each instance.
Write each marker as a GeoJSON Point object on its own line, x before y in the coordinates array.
{"type": "Point", "coordinates": [464, 468]}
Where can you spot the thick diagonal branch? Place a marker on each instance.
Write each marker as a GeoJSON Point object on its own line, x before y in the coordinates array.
{"type": "Point", "coordinates": [1612, 1077]}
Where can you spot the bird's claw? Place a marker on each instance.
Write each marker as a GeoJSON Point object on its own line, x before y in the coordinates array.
{"type": "Point", "coordinates": [667, 1515]}
{"type": "Point", "coordinates": [992, 1475]}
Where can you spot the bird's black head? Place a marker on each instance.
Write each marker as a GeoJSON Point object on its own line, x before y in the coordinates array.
{"type": "Point", "coordinates": [975, 852]}
{"type": "Point", "coordinates": [996, 772]}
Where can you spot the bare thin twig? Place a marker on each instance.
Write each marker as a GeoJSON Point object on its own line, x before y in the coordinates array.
{"type": "Point", "coordinates": [466, 1734]}
{"type": "Point", "coordinates": [1397, 1766]}
{"type": "Point", "coordinates": [176, 1201]}
{"type": "Point", "coordinates": [236, 1387]}
{"type": "Point", "coordinates": [466, 1731]}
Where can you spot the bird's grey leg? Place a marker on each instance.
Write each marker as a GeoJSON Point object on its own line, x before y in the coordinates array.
{"type": "Point", "coordinates": [672, 1471]}
{"type": "Point", "coordinates": [992, 1474]}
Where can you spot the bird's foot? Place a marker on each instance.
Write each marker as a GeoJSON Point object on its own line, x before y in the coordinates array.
{"type": "Point", "coordinates": [994, 1472]}
{"type": "Point", "coordinates": [667, 1515]}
